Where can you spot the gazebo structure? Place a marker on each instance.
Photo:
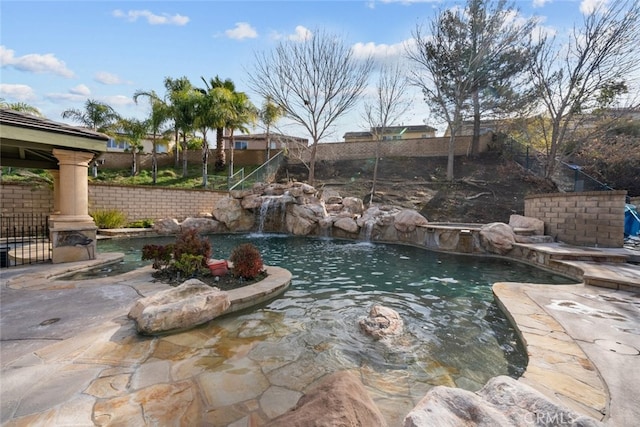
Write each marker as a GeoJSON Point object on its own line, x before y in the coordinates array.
{"type": "Point", "coordinates": [28, 141]}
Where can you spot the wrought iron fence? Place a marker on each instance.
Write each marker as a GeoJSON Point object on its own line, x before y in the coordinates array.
{"type": "Point", "coordinates": [24, 239]}
{"type": "Point", "coordinates": [568, 177]}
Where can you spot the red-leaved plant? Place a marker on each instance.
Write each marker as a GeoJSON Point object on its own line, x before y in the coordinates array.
{"type": "Point", "coordinates": [247, 262]}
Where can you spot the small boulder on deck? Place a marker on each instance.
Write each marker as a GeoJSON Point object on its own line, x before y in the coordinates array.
{"type": "Point", "coordinates": [183, 307]}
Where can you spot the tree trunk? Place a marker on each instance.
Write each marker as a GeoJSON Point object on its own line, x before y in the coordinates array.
{"type": "Point", "coordinates": [553, 149]}
{"type": "Point", "coordinates": [176, 146]}
{"type": "Point", "coordinates": [205, 160]}
{"type": "Point", "coordinates": [312, 163]}
{"type": "Point", "coordinates": [375, 172]}
{"type": "Point", "coordinates": [154, 163]}
{"type": "Point", "coordinates": [451, 155]}
{"type": "Point", "coordinates": [185, 172]}
{"type": "Point", "coordinates": [219, 164]}
{"type": "Point", "coordinates": [475, 139]}
{"type": "Point", "coordinates": [232, 144]}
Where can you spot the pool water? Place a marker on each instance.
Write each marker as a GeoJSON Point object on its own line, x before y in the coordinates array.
{"type": "Point", "coordinates": [454, 334]}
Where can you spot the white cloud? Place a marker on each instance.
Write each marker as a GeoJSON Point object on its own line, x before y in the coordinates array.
{"type": "Point", "coordinates": [152, 18]}
{"type": "Point", "coordinates": [242, 30]}
{"type": "Point", "coordinates": [80, 90]}
{"type": "Point", "coordinates": [22, 93]}
{"type": "Point", "coordinates": [34, 63]}
{"type": "Point", "coordinates": [66, 97]}
{"type": "Point", "coordinates": [379, 51]}
{"type": "Point", "coordinates": [107, 78]}
{"type": "Point", "coordinates": [540, 3]}
{"type": "Point", "coordinates": [117, 100]}
{"type": "Point", "coordinates": [589, 6]}
{"type": "Point", "coordinates": [300, 34]}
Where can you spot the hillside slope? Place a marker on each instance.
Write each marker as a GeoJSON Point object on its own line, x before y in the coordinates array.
{"type": "Point", "coordinates": [486, 189]}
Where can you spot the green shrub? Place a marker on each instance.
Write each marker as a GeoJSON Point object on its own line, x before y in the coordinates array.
{"type": "Point", "coordinates": [141, 223]}
{"type": "Point", "coordinates": [190, 242]}
{"type": "Point", "coordinates": [189, 264]}
{"type": "Point", "coordinates": [109, 218]}
{"type": "Point", "coordinates": [167, 173]}
{"type": "Point", "coordinates": [247, 262]}
{"type": "Point", "coordinates": [160, 254]}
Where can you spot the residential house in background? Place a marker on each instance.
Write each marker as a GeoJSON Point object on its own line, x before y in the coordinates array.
{"type": "Point", "coordinates": [485, 126]}
{"type": "Point", "coordinates": [120, 145]}
{"type": "Point", "coordinates": [392, 133]}
{"type": "Point", "coordinates": [258, 141]}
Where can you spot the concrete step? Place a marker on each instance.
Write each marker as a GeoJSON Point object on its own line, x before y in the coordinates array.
{"type": "Point", "coordinates": [624, 277]}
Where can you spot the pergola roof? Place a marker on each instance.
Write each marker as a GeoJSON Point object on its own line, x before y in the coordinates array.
{"type": "Point", "coordinates": [27, 141]}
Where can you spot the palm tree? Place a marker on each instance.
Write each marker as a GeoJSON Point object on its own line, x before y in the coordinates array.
{"type": "Point", "coordinates": [134, 131]}
{"type": "Point", "coordinates": [22, 107]}
{"type": "Point", "coordinates": [229, 88]}
{"type": "Point", "coordinates": [242, 112]}
{"type": "Point", "coordinates": [184, 98]}
{"type": "Point", "coordinates": [160, 114]}
{"type": "Point", "coordinates": [96, 115]}
{"type": "Point", "coordinates": [212, 113]}
{"type": "Point", "coordinates": [269, 114]}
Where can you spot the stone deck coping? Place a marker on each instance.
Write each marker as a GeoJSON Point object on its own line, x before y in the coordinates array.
{"type": "Point", "coordinates": [557, 366]}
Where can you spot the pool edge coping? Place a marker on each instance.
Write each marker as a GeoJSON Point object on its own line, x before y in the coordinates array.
{"type": "Point", "coordinates": [557, 366]}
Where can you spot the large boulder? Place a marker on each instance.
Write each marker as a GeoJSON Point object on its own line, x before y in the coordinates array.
{"type": "Point", "coordinates": [453, 407]}
{"type": "Point", "coordinates": [201, 225]}
{"type": "Point", "coordinates": [229, 212]}
{"type": "Point", "coordinates": [330, 197]}
{"type": "Point", "coordinates": [407, 220]}
{"type": "Point", "coordinates": [527, 223]}
{"type": "Point", "coordinates": [183, 307]}
{"type": "Point", "coordinates": [166, 226]}
{"type": "Point", "coordinates": [382, 322]}
{"type": "Point", "coordinates": [503, 401]}
{"type": "Point", "coordinates": [497, 237]}
{"type": "Point", "coordinates": [353, 205]}
{"type": "Point", "coordinates": [347, 224]}
{"type": "Point", "coordinates": [339, 399]}
{"type": "Point", "coordinates": [302, 220]}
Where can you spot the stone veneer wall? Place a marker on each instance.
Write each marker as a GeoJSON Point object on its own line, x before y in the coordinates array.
{"type": "Point", "coordinates": [136, 202]}
{"type": "Point", "coordinates": [594, 218]}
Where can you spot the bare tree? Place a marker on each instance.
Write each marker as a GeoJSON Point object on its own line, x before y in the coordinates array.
{"type": "Point", "coordinates": [499, 49]}
{"type": "Point", "coordinates": [574, 77]}
{"type": "Point", "coordinates": [389, 104]}
{"type": "Point", "coordinates": [314, 81]}
{"type": "Point", "coordinates": [441, 71]}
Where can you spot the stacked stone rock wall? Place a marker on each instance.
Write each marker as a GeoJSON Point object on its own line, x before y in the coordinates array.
{"type": "Point", "coordinates": [594, 218]}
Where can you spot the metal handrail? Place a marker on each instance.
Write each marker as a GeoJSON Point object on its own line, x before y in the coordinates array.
{"type": "Point", "coordinates": [265, 172]}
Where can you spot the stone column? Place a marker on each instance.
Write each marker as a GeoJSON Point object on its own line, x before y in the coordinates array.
{"type": "Point", "coordinates": [73, 231]}
{"type": "Point", "coordinates": [56, 191]}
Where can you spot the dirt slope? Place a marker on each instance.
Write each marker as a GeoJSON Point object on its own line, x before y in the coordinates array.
{"type": "Point", "coordinates": [486, 189]}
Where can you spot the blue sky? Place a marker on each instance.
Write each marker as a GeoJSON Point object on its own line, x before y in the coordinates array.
{"type": "Point", "coordinates": [56, 54]}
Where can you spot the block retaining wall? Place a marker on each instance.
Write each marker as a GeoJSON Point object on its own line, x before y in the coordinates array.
{"type": "Point", "coordinates": [136, 202]}
{"type": "Point", "coordinates": [594, 218]}
{"type": "Point", "coordinates": [423, 147]}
